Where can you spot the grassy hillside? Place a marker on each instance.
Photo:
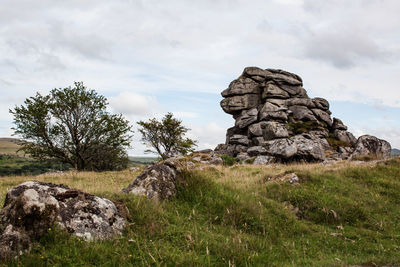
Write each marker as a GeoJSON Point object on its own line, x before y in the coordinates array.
{"type": "Point", "coordinates": [242, 216]}
{"type": "Point", "coordinates": [9, 146]}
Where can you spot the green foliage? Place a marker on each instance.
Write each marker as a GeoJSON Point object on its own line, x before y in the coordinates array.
{"type": "Point", "coordinates": [228, 160]}
{"type": "Point", "coordinates": [336, 143]}
{"type": "Point", "coordinates": [71, 125]}
{"type": "Point", "coordinates": [304, 127]}
{"type": "Point", "coordinates": [166, 136]}
{"type": "Point", "coordinates": [15, 165]}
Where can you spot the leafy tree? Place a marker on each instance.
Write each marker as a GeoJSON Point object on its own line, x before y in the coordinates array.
{"type": "Point", "coordinates": [166, 136]}
{"type": "Point", "coordinates": [72, 126]}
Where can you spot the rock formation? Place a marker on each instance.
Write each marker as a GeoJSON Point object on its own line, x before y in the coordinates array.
{"type": "Point", "coordinates": [32, 208]}
{"type": "Point", "coordinates": [156, 182]}
{"type": "Point", "coordinates": [275, 120]}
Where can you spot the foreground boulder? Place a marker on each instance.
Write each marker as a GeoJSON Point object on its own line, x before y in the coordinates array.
{"type": "Point", "coordinates": [33, 207]}
{"type": "Point", "coordinates": [274, 117]}
{"type": "Point", "coordinates": [156, 182]}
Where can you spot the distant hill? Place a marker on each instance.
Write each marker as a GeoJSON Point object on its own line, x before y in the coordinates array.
{"type": "Point", "coordinates": [9, 146]}
{"type": "Point", "coordinates": [143, 160]}
{"type": "Point", "coordinates": [395, 152]}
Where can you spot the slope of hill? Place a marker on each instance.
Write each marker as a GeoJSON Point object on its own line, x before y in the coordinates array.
{"type": "Point", "coordinates": [9, 146]}
{"type": "Point", "coordinates": [338, 215]}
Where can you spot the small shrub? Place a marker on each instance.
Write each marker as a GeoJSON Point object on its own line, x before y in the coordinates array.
{"type": "Point", "coordinates": [250, 160]}
{"type": "Point", "coordinates": [336, 143]}
{"type": "Point", "coordinates": [228, 160]}
{"type": "Point", "coordinates": [304, 127]}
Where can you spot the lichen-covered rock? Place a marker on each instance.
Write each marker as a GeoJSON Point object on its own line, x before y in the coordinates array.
{"type": "Point", "coordinates": [272, 110]}
{"type": "Point", "coordinates": [156, 182]}
{"type": "Point", "coordinates": [262, 160]}
{"type": "Point", "coordinates": [13, 242]}
{"type": "Point", "coordinates": [368, 145]}
{"type": "Point", "coordinates": [33, 207]}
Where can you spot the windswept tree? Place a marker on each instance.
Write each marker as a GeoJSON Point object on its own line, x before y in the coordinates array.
{"type": "Point", "coordinates": [166, 137]}
{"type": "Point", "coordinates": [71, 125]}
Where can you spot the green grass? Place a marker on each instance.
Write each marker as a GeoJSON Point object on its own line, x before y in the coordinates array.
{"type": "Point", "coordinates": [339, 215]}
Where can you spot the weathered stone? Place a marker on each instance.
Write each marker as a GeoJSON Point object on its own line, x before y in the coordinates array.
{"type": "Point", "coordinates": [300, 102]}
{"type": "Point", "coordinates": [256, 150]}
{"type": "Point", "coordinates": [13, 242]}
{"type": "Point", "coordinates": [242, 156]}
{"type": "Point", "coordinates": [274, 130]}
{"type": "Point", "coordinates": [338, 125]}
{"type": "Point", "coordinates": [368, 145]}
{"type": "Point", "coordinates": [302, 113]}
{"type": "Point", "coordinates": [234, 104]}
{"type": "Point", "coordinates": [242, 86]}
{"type": "Point", "coordinates": [277, 102]}
{"type": "Point", "coordinates": [323, 116]}
{"type": "Point", "coordinates": [238, 139]}
{"type": "Point", "coordinates": [294, 91]}
{"type": "Point", "coordinates": [288, 124]}
{"type": "Point", "coordinates": [321, 103]}
{"type": "Point", "coordinates": [225, 149]}
{"type": "Point", "coordinates": [80, 213]}
{"type": "Point", "coordinates": [155, 182]}
{"type": "Point", "coordinates": [345, 136]}
{"type": "Point", "coordinates": [254, 71]}
{"type": "Point", "coordinates": [272, 90]}
{"type": "Point", "coordinates": [308, 149]}
{"type": "Point", "coordinates": [257, 129]}
{"type": "Point", "coordinates": [263, 160]}
{"type": "Point", "coordinates": [258, 141]}
{"type": "Point", "coordinates": [33, 207]}
{"type": "Point", "coordinates": [281, 148]}
{"type": "Point", "coordinates": [282, 76]}
{"type": "Point", "coordinates": [247, 117]}
{"type": "Point", "coordinates": [271, 111]}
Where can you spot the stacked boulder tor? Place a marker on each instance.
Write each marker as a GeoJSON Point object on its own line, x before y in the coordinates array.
{"type": "Point", "coordinates": [276, 121]}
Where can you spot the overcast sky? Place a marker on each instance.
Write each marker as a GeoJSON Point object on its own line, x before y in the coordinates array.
{"type": "Point", "coordinates": [151, 57]}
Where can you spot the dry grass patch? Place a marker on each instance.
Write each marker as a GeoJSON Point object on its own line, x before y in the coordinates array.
{"type": "Point", "coordinates": [96, 183]}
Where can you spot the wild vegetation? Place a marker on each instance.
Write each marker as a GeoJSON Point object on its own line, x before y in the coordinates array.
{"type": "Point", "coordinates": [72, 125]}
{"type": "Point", "coordinates": [166, 137]}
{"type": "Point", "coordinates": [243, 215]}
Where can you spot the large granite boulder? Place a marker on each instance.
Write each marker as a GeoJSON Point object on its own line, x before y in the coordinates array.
{"type": "Point", "coordinates": [368, 145]}
{"type": "Point", "coordinates": [275, 118]}
{"type": "Point", "coordinates": [33, 207]}
{"type": "Point", "coordinates": [158, 181]}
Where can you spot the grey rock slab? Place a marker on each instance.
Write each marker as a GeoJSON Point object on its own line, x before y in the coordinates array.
{"type": "Point", "coordinates": [338, 125]}
{"type": "Point", "coordinates": [234, 104]}
{"type": "Point", "coordinates": [302, 113]}
{"type": "Point", "coordinates": [368, 145]}
{"type": "Point", "coordinates": [323, 116]}
{"type": "Point", "coordinates": [281, 148]}
{"type": "Point", "coordinates": [263, 160]}
{"type": "Point", "coordinates": [271, 90]}
{"type": "Point", "coordinates": [274, 130]}
{"type": "Point", "coordinates": [238, 139]}
{"type": "Point", "coordinates": [242, 86]}
{"type": "Point", "coordinates": [257, 129]}
{"type": "Point", "coordinates": [247, 117]}
{"type": "Point", "coordinates": [256, 150]}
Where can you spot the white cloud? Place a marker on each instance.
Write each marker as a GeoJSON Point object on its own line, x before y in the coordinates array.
{"type": "Point", "coordinates": [134, 105]}
{"type": "Point", "coordinates": [141, 53]}
{"type": "Point", "coordinates": [208, 135]}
